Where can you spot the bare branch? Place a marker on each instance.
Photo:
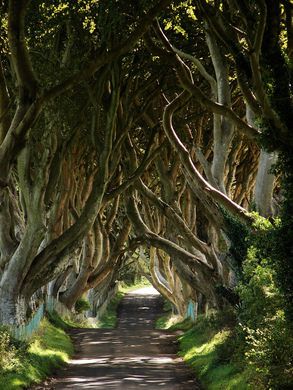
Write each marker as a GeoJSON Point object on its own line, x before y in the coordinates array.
{"type": "Point", "coordinates": [193, 176]}
{"type": "Point", "coordinates": [21, 62]}
{"type": "Point", "coordinates": [4, 105]}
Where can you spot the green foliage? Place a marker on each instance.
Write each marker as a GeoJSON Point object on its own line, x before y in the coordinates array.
{"type": "Point", "coordinates": [268, 342]}
{"type": "Point", "coordinates": [268, 353]}
{"type": "Point", "coordinates": [283, 239]}
{"type": "Point", "coordinates": [130, 275]}
{"type": "Point", "coordinates": [140, 282]}
{"type": "Point", "coordinates": [237, 234]}
{"type": "Point", "coordinates": [26, 364]}
{"type": "Point", "coordinates": [262, 340]}
{"type": "Point", "coordinates": [258, 287]}
{"type": "Point", "coordinates": [11, 352]}
{"type": "Point", "coordinates": [82, 305]}
{"type": "Point", "coordinates": [208, 348]}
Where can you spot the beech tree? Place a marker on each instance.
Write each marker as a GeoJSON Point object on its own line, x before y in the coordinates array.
{"type": "Point", "coordinates": [126, 130]}
{"type": "Point", "coordinates": [29, 146]}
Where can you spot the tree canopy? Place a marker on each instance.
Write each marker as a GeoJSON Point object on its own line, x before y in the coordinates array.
{"type": "Point", "coordinates": [144, 133]}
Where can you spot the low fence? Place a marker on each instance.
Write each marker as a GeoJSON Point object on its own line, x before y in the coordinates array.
{"type": "Point", "coordinates": [52, 304]}
{"type": "Point", "coordinates": [191, 311]}
{"type": "Point", "coordinates": [24, 332]}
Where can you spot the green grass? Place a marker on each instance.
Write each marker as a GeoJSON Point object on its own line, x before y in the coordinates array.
{"type": "Point", "coordinates": [66, 323]}
{"type": "Point", "coordinates": [49, 348]}
{"type": "Point", "coordinates": [61, 322]}
{"type": "Point", "coordinates": [124, 288]}
{"type": "Point", "coordinates": [200, 347]}
{"type": "Point", "coordinates": [207, 348]}
{"type": "Point", "coordinates": [109, 318]}
{"type": "Point", "coordinates": [173, 322]}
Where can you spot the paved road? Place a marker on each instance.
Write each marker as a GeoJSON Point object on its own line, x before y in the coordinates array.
{"type": "Point", "coordinates": [132, 356]}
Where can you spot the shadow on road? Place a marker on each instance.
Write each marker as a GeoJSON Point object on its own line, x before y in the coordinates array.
{"type": "Point", "coordinates": [132, 356]}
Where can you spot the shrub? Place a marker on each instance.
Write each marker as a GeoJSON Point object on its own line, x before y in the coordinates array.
{"type": "Point", "coordinates": [268, 351]}
{"type": "Point", "coordinates": [8, 356]}
{"type": "Point", "coordinates": [82, 305]}
{"type": "Point", "coordinates": [24, 363]}
{"type": "Point", "coordinates": [11, 351]}
{"type": "Point", "coordinates": [263, 328]}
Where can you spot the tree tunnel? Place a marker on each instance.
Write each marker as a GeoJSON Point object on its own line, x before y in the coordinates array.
{"type": "Point", "coordinates": [135, 138]}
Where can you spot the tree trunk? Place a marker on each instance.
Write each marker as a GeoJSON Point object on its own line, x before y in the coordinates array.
{"type": "Point", "coordinates": [12, 306]}
{"type": "Point", "coordinates": [223, 127]}
{"type": "Point", "coordinates": [264, 186]}
{"type": "Point", "coordinates": [11, 283]}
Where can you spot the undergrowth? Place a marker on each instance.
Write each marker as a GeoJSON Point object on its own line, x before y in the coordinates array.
{"type": "Point", "coordinates": [109, 319]}
{"type": "Point", "coordinates": [25, 363]}
{"type": "Point", "coordinates": [208, 347]}
{"type": "Point", "coordinates": [67, 323]}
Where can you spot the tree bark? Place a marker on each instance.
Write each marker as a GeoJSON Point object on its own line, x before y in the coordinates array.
{"type": "Point", "coordinates": [264, 186]}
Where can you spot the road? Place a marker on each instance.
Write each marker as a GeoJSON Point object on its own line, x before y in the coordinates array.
{"type": "Point", "coordinates": [132, 356]}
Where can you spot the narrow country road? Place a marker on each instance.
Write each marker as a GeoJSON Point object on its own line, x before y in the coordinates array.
{"type": "Point", "coordinates": [132, 356]}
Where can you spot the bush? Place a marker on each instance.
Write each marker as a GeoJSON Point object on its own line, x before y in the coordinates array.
{"type": "Point", "coordinates": [9, 357]}
{"type": "Point", "coordinates": [82, 305]}
{"type": "Point", "coordinates": [268, 352]}
{"type": "Point", "coordinates": [263, 329]}
{"type": "Point", "coordinates": [22, 364]}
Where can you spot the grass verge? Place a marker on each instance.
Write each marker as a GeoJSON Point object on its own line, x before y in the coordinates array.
{"type": "Point", "coordinates": [67, 323]}
{"type": "Point", "coordinates": [208, 348]}
{"type": "Point", "coordinates": [31, 362]}
{"type": "Point", "coordinates": [109, 319]}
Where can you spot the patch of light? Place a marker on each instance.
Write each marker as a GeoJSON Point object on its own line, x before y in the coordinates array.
{"type": "Point", "coordinates": [80, 362]}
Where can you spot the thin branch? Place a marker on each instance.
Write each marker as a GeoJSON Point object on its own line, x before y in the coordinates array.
{"type": "Point", "coordinates": [186, 81]}
{"type": "Point", "coordinates": [146, 161]}
{"type": "Point", "coordinates": [26, 79]}
{"type": "Point", "coordinates": [257, 44]}
{"type": "Point", "coordinates": [249, 131]}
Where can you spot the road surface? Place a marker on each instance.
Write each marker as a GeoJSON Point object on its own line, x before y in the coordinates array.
{"type": "Point", "coordinates": [132, 356]}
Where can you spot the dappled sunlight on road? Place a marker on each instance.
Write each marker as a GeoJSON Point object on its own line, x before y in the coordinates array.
{"type": "Point", "coordinates": [126, 359]}
{"type": "Point", "coordinates": [132, 356]}
{"type": "Point", "coordinates": [148, 290]}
